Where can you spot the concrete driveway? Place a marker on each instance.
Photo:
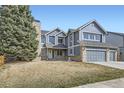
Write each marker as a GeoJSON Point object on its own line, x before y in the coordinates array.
{"type": "Point", "coordinates": [119, 65]}
{"type": "Point", "coordinates": [115, 83]}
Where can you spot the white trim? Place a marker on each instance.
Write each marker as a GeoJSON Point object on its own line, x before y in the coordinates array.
{"type": "Point", "coordinates": [95, 49]}
{"type": "Point", "coordinates": [103, 38]}
{"type": "Point", "coordinates": [73, 46]}
{"type": "Point", "coordinates": [91, 40]}
{"type": "Point", "coordinates": [61, 32]}
{"type": "Point", "coordinates": [94, 36]}
{"type": "Point", "coordinates": [80, 35]}
{"type": "Point", "coordinates": [112, 50]}
{"type": "Point", "coordinates": [50, 42]}
{"type": "Point", "coordinates": [56, 40]}
{"type": "Point", "coordinates": [43, 47]}
{"type": "Point", "coordinates": [64, 40]}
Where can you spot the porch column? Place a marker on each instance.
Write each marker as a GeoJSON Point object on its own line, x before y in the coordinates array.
{"type": "Point", "coordinates": [47, 54]}
{"type": "Point", "coordinates": [84, 55]}
{"type": "Point", "coordinates": [107, 55]}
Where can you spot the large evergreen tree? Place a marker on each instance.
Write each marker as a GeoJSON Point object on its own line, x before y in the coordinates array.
{"type": "Point", "coordinates": [17, 33]}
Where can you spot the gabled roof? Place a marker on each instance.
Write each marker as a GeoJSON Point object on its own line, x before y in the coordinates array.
{"type": "Point", "coordinates": [57, 29]}
{"type": "Point", "coordinates": [90, 23]}
{"type": "Point", "coordinates": [61, 32]}
{"type": "Point", "coordinates": [83, 26]}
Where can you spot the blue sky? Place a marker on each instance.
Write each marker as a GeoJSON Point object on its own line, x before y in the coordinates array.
{"type": "Point", "coordinates": [64, 17]}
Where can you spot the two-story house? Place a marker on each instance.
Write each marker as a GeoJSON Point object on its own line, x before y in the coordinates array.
{"type": "Point", "coordinates": [53, 45]}
{"type": "Point", "coordinates": [86, 43]}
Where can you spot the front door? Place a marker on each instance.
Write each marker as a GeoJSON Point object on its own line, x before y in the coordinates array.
{"type": "Point", "coordinates": [50, 54]}
{"type": "Point", "coordinates": [112, 56]}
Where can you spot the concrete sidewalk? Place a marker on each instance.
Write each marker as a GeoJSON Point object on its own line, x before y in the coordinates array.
{"type": "Point", "coordinates": [115, 83]}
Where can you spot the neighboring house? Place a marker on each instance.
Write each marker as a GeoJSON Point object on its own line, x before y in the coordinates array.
{"type": "Point", "coordinates": [90, 42]}
{"type": "Point", "coordinates": [53, 45]}
{"type": "Point", "coordinates": [116, 39]}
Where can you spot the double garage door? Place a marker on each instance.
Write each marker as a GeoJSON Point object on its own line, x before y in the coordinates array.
{"type": "Point", "coordinates": [94, 55]}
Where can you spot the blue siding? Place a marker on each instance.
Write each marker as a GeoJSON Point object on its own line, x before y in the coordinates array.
{"type": "Point", "coordinates": [115, 40]}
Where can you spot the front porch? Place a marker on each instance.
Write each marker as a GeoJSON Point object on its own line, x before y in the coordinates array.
{"type": "Point", "coordinates": [56, 54]}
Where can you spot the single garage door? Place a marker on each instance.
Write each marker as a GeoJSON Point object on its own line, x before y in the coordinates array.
{"type": "Point", "coordinates": [112, 56]}
{"type": "Point", "coordinates": [94, 55]}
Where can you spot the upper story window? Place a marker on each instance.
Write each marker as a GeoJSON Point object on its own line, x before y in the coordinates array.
{"type": "Point", "coordinates": [60, 40]}
{"type": "Point", "coordinates": [43, 39]}
{"type": "Point", "coordinates": [92, 37]}
{"type": "Point", "coordinates": [86, 36]}
{"type": "Point", "coordinates": [52, 39]}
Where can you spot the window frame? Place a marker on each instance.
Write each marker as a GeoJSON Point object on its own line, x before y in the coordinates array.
{"type": "Point", "coordinates": [92, 36]}
{"type": "Point", "coordinates": [59, 39]}
{"type": "Point", "coordinates": [50, 39]}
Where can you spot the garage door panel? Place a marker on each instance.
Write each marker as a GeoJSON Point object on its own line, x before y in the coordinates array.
{"type": "Point", "coordinates": [93, 55]}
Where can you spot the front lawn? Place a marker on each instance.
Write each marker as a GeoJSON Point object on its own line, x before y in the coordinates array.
{"type": "Point", "coordinates": [54, 74]}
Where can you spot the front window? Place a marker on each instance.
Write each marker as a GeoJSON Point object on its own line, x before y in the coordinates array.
{"type": "Point", "coordinates": [86, 35]}
{"type": "Point", "coordinates": [92, 37]}
{"type": "Point", "coordinates": [60, 40]}
{"type": "Point", "coordinates": [52, 39]}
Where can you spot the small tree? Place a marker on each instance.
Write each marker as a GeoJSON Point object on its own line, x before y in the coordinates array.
{"type": "Point", "coordinates": [17, 33]}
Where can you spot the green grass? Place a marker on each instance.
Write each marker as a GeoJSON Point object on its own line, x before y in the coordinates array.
{"type": "Point", "coordinates": [55, 74]}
